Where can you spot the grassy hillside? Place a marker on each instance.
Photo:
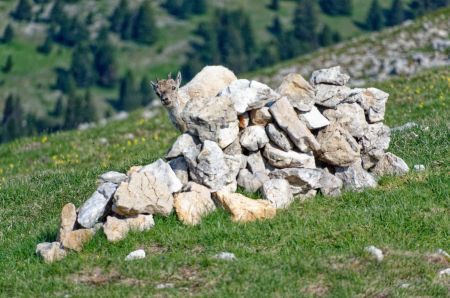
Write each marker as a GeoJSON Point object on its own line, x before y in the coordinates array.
{"type": "Point", "coordinates": [315, 248]}
{"type": "Point", "coordinates": [33, 73]}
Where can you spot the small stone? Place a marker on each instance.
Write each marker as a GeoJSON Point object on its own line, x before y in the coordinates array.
{"type": "Point", "coordinates": [350, 116]}
{"type": "Point", "coordinates": [184, 141]}
{"type": "Point", "coordinates": [249, 95]}
{"type": "Point", "coordinates": [330, 185]}
{"type": "Point", "coordinates": [376, 252]}
{"type": "Point", "coordinates": [251, 182]}
{"type": "Point", "coordinates": [140, 223]}
{"type": "Point", "coordinates": [115, 229]}
{"type": "Point", "coordinates": [444, 272]}
{"type": "Point", "coordinates": [261, 116]}
{"type": "Point", "coordinates": [135, 255]}
{"type": "Point", "coordinates": [164, 173]}
{"type": "Point", "coordinates": [68, 218]}
{"type": "Point", "coordinates": [113, 177]}
{"type": "Point", "coordinates": [390, 164]}
{"type": "Point", "coordinates": [406, 126]}
{"type": "Point", "coordinates": [254, 137]}
{"type": "Point", "coordinates": [165, 286]}
{"type": "Point", "coordinates": [255, 163]}
{"type": "Point", "coordinates": [50, 252]}
{"type": "Point", "coordinates": [244, 209]}
{"type": "Point", "coordinates": [181, 169]}
{"type": "Point", "coordinates": [226, 256]}
{"type": "Point", "coordinates": [75, 240]}
{"type": "Point", "coordinates": [279, 137]}
{"type": "Point", "coordinates": [278, 192]}
{"type": "Point", "coordinates": [338, 147]}
{"type": "Point", "coordinates": [332, 76]}
{"type": "Point", "coordinates": [291, 159]}
{"type": "Point", "coordinates": [419, 168]}
{"type": "Point", "coordinates": [298, 91]}
{"type": "Point", "coordinates": [355, 177]}
{"type": "Point", "coordinates": [94, 208]}
{"type": "Point", "coordinates": [301, 180]}
{"type": "Point", "coordinates": [192, 206]}
{"type": "Point", "coordinates": [331, 96]}
{"type": "Point", "coordinates": [314, 119]}
{"type": "Point", "coordinates": [287, 119]}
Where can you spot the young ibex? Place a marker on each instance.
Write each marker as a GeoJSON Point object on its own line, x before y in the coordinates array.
{"type": "Point", "coordinates": [207, 83]}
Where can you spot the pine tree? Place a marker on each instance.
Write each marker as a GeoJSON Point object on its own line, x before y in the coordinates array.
{"type": "Point", "coordinates": [119, 16]}
{"type": "Point", "coordinates": [46, 47]}
{"type": "Point", "coordinates": [128, 97]}
{"type": "Point", "coordinates": [375, 18]}
{"type": "Point", "coordinates": [105, 62]}
{"type": "Point", "coordinates": [72, 31]}
{"type": "Point", "coordinates": [89, 108]}
{"type": "Point", "coordinates": [274, 5]}
{"type": "Point", "coordinates": [325, 36]}
{"type": "Point", "coordinates": [305, 25]}
{"type": "Point", "coordinates": [8, 64]}
{"type": "Point", "coordinates": [396, 14]}
{"type": "Point", "coordinates": [12, 122]}
{"type": "Point", "coordinates": [82, 66]}
{"type": "Point", "coordinates": [276, 28]}
{"type": "Point", "coordinates": [336, 7]}
{"type": "Point", "coordinates": [146, 91]}
{"type": "Point", "coordinates": [74, 111]}
{"type": "Point", "coordinates": [8, 34]}
{"type": "Point", "coordinates": [58, 110]}
{"type": "Point", "coordinates": [144, 26]}
{"type": "Point", "coordinates": [200, 7]}
{"type": "Point", "coordinates": [337, 37]}
{"type": "Point", "coordinates": [65, 82]}
{"type": "Point", "coordinates": [23, 11]}
{"type": "Point", "coordinates": [57, 14]}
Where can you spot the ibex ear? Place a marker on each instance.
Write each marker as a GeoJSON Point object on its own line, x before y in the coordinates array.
{"type": "Point", "coordinates": [154, 85]}
{"type": "Point", "coordinates": [169, 76]}
{"type": "Point", "coordinates": [179, 79]}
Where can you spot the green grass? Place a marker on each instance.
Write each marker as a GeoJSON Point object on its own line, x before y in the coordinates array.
{"type": "Point", "coordinates": [316, 247]}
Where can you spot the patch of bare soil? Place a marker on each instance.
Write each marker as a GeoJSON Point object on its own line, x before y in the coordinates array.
{"type": "Point", "coordinates": [317, 289]}
{"type": "Point", "coordinates": [99, 277]}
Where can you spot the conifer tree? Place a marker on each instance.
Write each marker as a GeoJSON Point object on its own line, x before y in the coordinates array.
{"type": "Point", "coordinates": [375, 18]}
{"type": "Point", "coordinates": [74, 111]}
{"type": "Point", "coordinates": [12, 122]}
{"type": "Point", "coordinates": [144, 26]}
{"type": "Point", "coordinates": [89, 108]}
{"type": "Point", "coordinates": [119, 15]}
{"type": "Point", "coordinates": [128, 97]}
{"type": "Point", "coordinates": [305, 25]}
{"type": "Point", "coordinates": [72, 31]}
{"type": "Point", "coordinates": [7, 67]}
{"type": "Point", "coordinates": [8, 34]}
{"type": "Point", "coordinates": [105, 62]}
{"type": "Point", "coordinates": [46, 47]}
{"type": "Point", "coordinates": [57, 14]}
{"type": "Point", "coordinates": [396, 14]}
{"type": "Point", "coordinates": [23, 11]}
{"type": "Point", "coordinates": [65, 82]}
{"type": "Point", "coordinates": [325, 36]}
{"type": "Point", "coordinates": [337, 37]}
{"type": "Point", "coordinates": [336, 7]}
{"type": "Point", "coordinates": [200, 7]}
{"type": "Point", "coordinates": [82, 66]}
{"type": "Point", "coordinates": [146, 91]}
{"type": "Point", "coordinates": [58, 110]}
{"type": "Point", "coordinates": [276, 28]}
{"type": "Point", "coordinates": [274, 5]}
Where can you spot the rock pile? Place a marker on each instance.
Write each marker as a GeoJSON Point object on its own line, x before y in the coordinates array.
{"type": "Point", "coordinates": [289, 144]}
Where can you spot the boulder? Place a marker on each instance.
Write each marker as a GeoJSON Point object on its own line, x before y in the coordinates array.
{"type": "Point", "coordinates": [390, 164]}
{"type": "Point", "coordinates": [298, 91]}
{"type": "Point", "coordinates": [249, 95]}
{"type": "Point", "coordinates": [330, 96]}
{"type": "Point", "coordinates": [68, 218]}
{"type": "Point", "coordinates": [350, 116]}
{"type": "Point", "coordinates": [50, 252]}
{"type": "Point", "coordinates": [244, 209]}
{"type": "Point", "coordinates": [181, 169]}
{"type": "Point", "coordinates": [261, 116]}
{"type": "Point", "coordinates": [374, 144]}
{"type": "Point", "coordinates": [332, 76]}
{"type": "Point", "coordinates": [234, 148]}
{"type": "Point", "coordinates": [140, 223]}
{"type": "Point", "coordinates": [193, 205]}
{"type": "Point", "coordinates": [355, 177]}
{"type": "Point", "coordinates": [279, 137]}
{"type": "Point", "coordinates": [338, 147]}
{"type": "Point", "coordinates": [314, 119]}
{"type": "Point", "coordinates": [115, 229]}
{"type": "Point", "coordinates": [301, 180]}
{"type": "Point", "coordinates": [278, 193]}
{"type": "Point", "coordinates": [96, 206]}
{"type": "Point", "coordinates": [330, 185]}
{"type": "Point", "coordinates": [254, 138]}
{"type": "Point", "coordinates": [213, 119]}
{"type": "Point", "coordinates": [373, 101]}
{"type": "Point", "coordinates": [287, 119]}
{"type": "Point", "coordinates": [75, 240]}
{"type": "Point", "coordinates": [255, 163]}
{"type": "Point", "coordinates": [251, 182]}
{"type": "Point", "coordinates": [144, 193]}
{"type": "Point", "coordinates": [182, 142]}
{"type": "Point", "coordinates": [165, 174]}
{"type": "Point", "coordinates": [291, 159]}
{"type": "Point", "coordinates": [113, 177]}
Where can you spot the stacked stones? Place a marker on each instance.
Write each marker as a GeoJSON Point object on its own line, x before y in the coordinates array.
{"type": "Point", "coordinates": [287, 144]}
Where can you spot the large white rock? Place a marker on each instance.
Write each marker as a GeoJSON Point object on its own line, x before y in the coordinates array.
{"type": "Point", "coordinates": [314, 119]}
{"type": "Point", "coordinates": [254, 138]}
{"type": "Point", "coordinates": [374, 144]}
{"type": "Point", "coordinates": [332, 76]}
{"type": "Point", "coordinates": [330, 95]}
{"type": "Point", "coordinates": [255, 163]}
{"type": "Point", "coordinates": [164, 172]}
{"type": "Point", "coordinates": [181, 144]}
{"type": "Point", "coordinates": [278, 192]}
{"type": "Point", "coordinates": [373, 101]}
{"type": "Point", "coordinates": [390, 164]}
{"type": "Point", "coordinates": [350, 116]}
{"type": "Point", "coordinates": [279, 137]}
{"type": "Point", "coordinates": [251, 182]}
{"type": "Point", "coordinates": [180, 168]}
{"type": "Point", "coordinates": [330, 185]}
{"type": "Point", "coordinates": [193, 205]}
{"type": "Point", "coordinates": [261, 116]}
{"type": "Point", "coordinates": [248, 95]}
{"type": "Point", "coordinates": [291, 159]}
{"type": "Point", "coordinates": [301, 180]}
{"type": "Point", "coordinates": [113, 177]}
{"type": "Point", "coordinates": [298, 91]}
{"type": "Point", "coordinates": [355, 177]}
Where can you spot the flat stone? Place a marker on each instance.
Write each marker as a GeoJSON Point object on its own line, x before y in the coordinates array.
{"type": "Point", "coordinates": [113, 177]}
{"type": "Point", "coordinates": [350, 116]}
{"type": "Point", "coordinates": [298, 91]}
{"type": "Point", "coordinates": [261, 116]}
{"type": "Point", "coordinates": [226, 256]}
{"type": "Point", "coordinates": [140, 223]}
{"type": "Point", "coordinates": [182, 142]}
{"type": "Point", "coordinates": [164, 173]}
{"type": "Point", "coordinates": [254, 137]}
{"type": "Point", "coordinates": [251, 182]}
{"type": "Point", "coordinates": [355, 177]}
{"type": "Point", "coordinates": [244, 209]}
{"type": "Point", "coordinates": [374, 144]}
{"type": "Point", "coordinates": [96, 206]}
{"type": "Point", "coordinates": [330, 95]}
{"type": "Point", "coordinates": [373, 101]}
{"type": "Point", "coordinates": [338, 147]}
{"type": "Point", "coordinates": [68, 218]}
{"type": "Point", "coordinates": [249, 95]}
{"type": "Point", "coordinates": [279, 137]}
{"type": "Point", "coordinates": [136, 255]}
{"type": "Point", "coordinates": [192, 206]}
{"type": "Point", "coordinates": [50, 252]}
{"type": "Point", "coordinates": [330, 185]}
{"type": "Point", "coordinates": [314, 119]}
{"type": "Point", "coordinates": [301, 180]}
{"type": "Point", "coordinates": [234, 148]}
{"type": "Point", "coordinates": [181, 169]}
{"type": "Point", "coordinates": [115, 229]}
{"type": "Point", "coordinates": [287, 119]}
{"type": "Point", "coordinates": [332, 76]}
{"type": "Point", "coordinates": [255, 163]}
{"type": "Point", "coordinates": [213, 119]}
{"type": "Point", "coordinates": [278, 193]}
{"type": "Point", "coordinates": [144, 193]}
{"type": "Point", "coordinates": [419, 168]}
{"type": "Point", "coordinates": [75, 240]}
{"type": "Point", "coordinates": [390, 164]}
{"type": "Point", "coordinates": [291, 159]}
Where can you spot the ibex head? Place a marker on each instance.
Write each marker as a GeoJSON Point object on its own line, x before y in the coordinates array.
{"type": "Point", "coordinates": [167, 90]}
